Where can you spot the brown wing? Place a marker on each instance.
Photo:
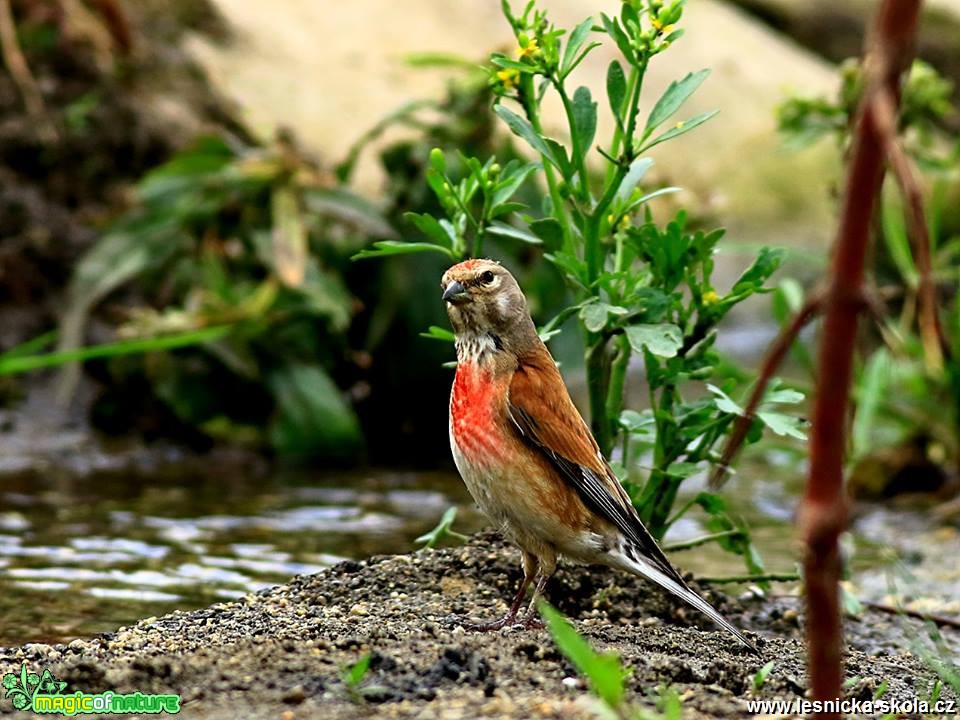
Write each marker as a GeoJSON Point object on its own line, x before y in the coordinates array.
{"type": "Point", "coordinates": [543, 414]}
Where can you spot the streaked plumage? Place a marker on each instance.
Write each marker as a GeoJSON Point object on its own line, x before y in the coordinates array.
{"type": "Point", "coordinates": [525, 453]}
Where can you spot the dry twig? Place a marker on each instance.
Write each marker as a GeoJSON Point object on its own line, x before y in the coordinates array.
{"type": "Point", "coordinates": [20, 72]}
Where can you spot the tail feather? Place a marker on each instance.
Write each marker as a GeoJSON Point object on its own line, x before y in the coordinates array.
{"type": "Point", "coordinates": [638, 565]}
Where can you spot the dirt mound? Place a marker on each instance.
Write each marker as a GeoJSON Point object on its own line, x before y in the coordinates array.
{"type": "Point", "coordinates": [286, 648]}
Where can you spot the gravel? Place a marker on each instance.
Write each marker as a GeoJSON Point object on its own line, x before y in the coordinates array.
{"type": "Point", "coordinates": [281, 653]}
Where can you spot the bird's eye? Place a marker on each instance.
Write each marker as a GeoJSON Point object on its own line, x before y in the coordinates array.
{"type": "Point", "coordinates": [486, 277]}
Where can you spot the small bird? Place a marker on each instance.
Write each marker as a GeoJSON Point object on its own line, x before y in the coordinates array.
{"type": "Point", "coordinates": [525, 453]}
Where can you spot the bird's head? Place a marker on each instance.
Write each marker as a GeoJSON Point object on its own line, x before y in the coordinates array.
{"type": "Point", "coordinates": [483, 298]}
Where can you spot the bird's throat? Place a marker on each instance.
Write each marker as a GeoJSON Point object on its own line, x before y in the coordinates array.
{"type": "Point", "coordinates": [476, 348]}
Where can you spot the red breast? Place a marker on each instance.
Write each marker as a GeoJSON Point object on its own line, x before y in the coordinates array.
{"type": "Point", "coordinates": [476, 409]}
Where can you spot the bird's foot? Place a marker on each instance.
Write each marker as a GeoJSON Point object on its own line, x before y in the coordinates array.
{"type": "Point", "coordinates": [528, 622]}
{"type": "Point", "coordinates": [531, 622]}
{"type": "Point", "coordinates": [491, 625]}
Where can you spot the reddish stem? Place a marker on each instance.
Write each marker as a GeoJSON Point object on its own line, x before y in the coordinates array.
{"type": "Point", "coordinates": [771, 362]}
{"type": "Point", "coordinates": [823, 513]}
{"type": "Point", "coordinates": [931, 332]}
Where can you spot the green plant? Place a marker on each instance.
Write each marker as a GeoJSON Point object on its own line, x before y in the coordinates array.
{"type": "Point", "coordinates": [236, 256]}
{"type": "Point", "coordinates": [353, 676]}
{"type": "Point", "coordinates": [760, 678]}
{"type": "Point", "coordinates": [639, 288]}
{"type": "Point", "coordinates": [605, 674]}
{"type": "Point", "coordinates": [443, 530]}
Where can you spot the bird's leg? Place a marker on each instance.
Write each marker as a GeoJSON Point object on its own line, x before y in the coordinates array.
{"type": "Point", "coordinates": [547, 568]}
{"type": "Point", "coordinates": [530, 568]}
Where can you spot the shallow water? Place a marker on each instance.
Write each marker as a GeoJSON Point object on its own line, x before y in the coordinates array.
{"type": "Point", "coordinates": [81, 556]}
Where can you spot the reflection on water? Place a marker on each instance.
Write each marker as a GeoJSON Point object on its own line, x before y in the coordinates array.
{"type": "Point", "coordinates": [84, 556]}
{"type": "Point", "coordinates": [90, 555]}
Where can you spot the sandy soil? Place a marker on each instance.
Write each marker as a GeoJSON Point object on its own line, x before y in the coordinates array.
{"type": "Point", "coordinates": [281, 653]}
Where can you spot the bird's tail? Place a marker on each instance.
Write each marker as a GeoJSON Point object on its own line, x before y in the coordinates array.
{"type": "Point", "coordinates": [638, 565]}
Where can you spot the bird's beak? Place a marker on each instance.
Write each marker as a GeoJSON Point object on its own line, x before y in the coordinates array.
{"type": "Point", "coordinates": [456, 293]}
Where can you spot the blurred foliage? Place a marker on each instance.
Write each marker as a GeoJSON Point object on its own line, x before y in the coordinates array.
{"type": "Point", "coordinates": [925, 106]}
{"type": "Point", "coordinates": [252, 241]}
{"type": "Point", "coordinates": [906, 432]}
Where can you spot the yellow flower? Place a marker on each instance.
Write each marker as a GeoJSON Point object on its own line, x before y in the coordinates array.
{"type": "Point", "coordinates": [680, 125]}
{"type": "Point", "coordinates": [509, 77]}
{"type": "Point", "coordinates": [667, 29]}
{"type": "Point", "coordinates": [658, 26]}
{"type": "Point", "coordinates": [710, 298]}
{"type": "Point", "coordinates": [530, 50]}
{"type": "Point", "coordinates": [624, 222]}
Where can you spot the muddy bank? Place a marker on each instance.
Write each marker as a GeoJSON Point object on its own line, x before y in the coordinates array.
{"type": "Point", "coordinates": [283, 650]}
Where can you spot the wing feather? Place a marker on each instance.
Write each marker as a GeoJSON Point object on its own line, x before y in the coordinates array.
{"type": "Point", "coordinates": [542, 413]}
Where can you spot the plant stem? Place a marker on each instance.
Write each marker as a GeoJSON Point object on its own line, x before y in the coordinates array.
{"type": "Point", "coordinates": [823, 513]}
{"type": "Point", "coordinates": [528, 99]}
{"type": "Point", "coordinates": [597, 362]}
{"type": "Point", "coordinates": [618, 379]}
{"type": "Point", "coordinates": [20, 73]}
{"type": "Point", "coordinates": [618, 131]}
{"type": "Point", "coordinates": [702, 540]}
{"type": "Point", "coordinates": [767, 577]}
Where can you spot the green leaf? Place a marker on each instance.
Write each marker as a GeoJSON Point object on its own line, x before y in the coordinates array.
{"type": "Point", "coordinates": [724, 402]}
{"type": "Point", "coordinates": [604, 672]}
{"type": "Point", "coordinates": [871, 391]}
{"type": "Point", "coordinates": [584, 118]}
{"type": "Point", "coordinates": [504, 230]}
{"type": "Point", "coordinates": [442, 530]}
{"type": "Point", "coordinates": [616, 89]}
{"type": "Point", "coordinates": [662, 339]}
{"type": "Point", "coordinates": [384, 248]}
{"type": "Point", "coordinates": [632, 421]}
{"type": "Point", "coordinates": [558, 156]}
{"type": "Point", "coordinates": [612, 26]}
{"type": "Point", "coordinates": [17, 363]}
{"type": "Point", "coordinates": [523, 129]}
{"type": "Point", "coordinates": [762, 674]}
{"type": "Point", "coordinates": [767, 262]}
{"type": "Point", "coordinates": [577, 38]}
{"type": "Point", "coordinates": [675, 95]}
{"type": "Point", "coordinates": [594, 316]}
{"type": "Point", "coordinates": [781, 424]}
{"type": "Point", "coordinates": [851, 603]}
{"type": "Point", "coordinates": [431, 227]}
{"type": "Point", "coordinates": [312, 418]}
{"type": "Point", "coordinates": [638, 168]}
{"type": "Point", "coordinates": [31, 346]}
{"type": "Point", "coordinates": [548, 230]}
{"type": "Point", "coordinates": [509, 184]}
{"type": "Point", "coordinates": [787, 300]}
{"type": "Point", "coordinates": [501, 60]}
{"type": "Point", "coordinates": [325, 294]}
{"type": "Point", "coordinates": [650, 196]}
{"type": "Point", "coordinates": [132, 247]}
{"type": "Point", "coordinates": [353, 674]}
{"type": "Point", "coordinates": [573, 266]}
{"type": "Point", "coordinates": [680, 128]}
{"type": "Point", "coordinates": [438, 333]}
{"type": "Point", "coordinates": [898, 242]}
{"type": "Point", "coordinates": [349, 208]}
